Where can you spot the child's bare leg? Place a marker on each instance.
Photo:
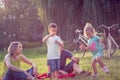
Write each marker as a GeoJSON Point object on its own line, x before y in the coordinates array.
{"type": "Point", "coordinates": [99, 60]}
{"type": "Point", "coordinates": [48, 68]}
{"type": "Point", "coordinates": [56, 75]}
{"type": "Point", "coordinates": [94, 66]}
{"type": "Point", "coordinates": [53, 76]}
{"type": "Point", "coordinates": [77, 69]}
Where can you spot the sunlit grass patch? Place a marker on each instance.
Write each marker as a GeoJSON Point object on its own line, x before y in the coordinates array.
{"type": "Point", "coordinates": [38, 56]}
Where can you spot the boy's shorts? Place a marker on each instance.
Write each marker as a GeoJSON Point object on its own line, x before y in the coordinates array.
{"type": "Point", "coordinates": [54, 64]}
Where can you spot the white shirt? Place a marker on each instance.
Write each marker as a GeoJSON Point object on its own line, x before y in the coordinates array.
{"type": "Point", "coordinates": [53, 48]}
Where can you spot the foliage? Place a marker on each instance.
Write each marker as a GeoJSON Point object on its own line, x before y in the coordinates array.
{"type": "Point", "coordinates": [19, 21]}
{"type": "Point", "coordinates": [70, 45]}
{"type": "Point", "coordinates": [31, 44]}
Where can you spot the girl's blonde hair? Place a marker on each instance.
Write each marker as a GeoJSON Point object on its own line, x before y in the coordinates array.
{"type": "Point", "coordinates": [89, 27]}
{"type": "Point", "coordinates": [13, 47]}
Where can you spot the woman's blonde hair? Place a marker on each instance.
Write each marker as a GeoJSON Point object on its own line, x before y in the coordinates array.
{"type": "Point", "coordinates": [89, 27]}
{"type": "Point", "coordinates": [13, 47]}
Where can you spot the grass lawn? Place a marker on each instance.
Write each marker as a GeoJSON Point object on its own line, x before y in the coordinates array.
{"type": "Point", "coordinates": [38, 55]}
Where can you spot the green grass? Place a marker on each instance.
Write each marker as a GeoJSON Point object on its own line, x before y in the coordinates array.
{"type": "Point", "coordinates": [38, 56]}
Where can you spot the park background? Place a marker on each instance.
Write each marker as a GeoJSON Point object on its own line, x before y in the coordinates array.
{"type": "Point", "coordinates": [27, 20]}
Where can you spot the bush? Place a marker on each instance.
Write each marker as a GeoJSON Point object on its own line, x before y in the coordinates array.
{"type": "Point", "coordinates": [31, 44]}
{"type": "Point", "coordinates": [70, 45]}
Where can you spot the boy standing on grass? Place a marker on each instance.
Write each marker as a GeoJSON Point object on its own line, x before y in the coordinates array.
{"type": "Point", "coordinates": [54, 43]}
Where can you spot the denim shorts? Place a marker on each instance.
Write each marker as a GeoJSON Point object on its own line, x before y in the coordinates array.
{"type": "Point", "coordinates": [54, 64]}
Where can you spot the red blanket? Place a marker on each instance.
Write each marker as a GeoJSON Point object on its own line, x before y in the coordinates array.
{"type": "Point", "coordinates": [44, 75]}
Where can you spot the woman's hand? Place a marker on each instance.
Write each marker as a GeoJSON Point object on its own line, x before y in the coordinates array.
{"type": "Point", "coordinates": [26, 60]}
{"type": "Point", "coordinates": [29, 77]}
{"type": "Point", "coordinates": [35, 72]}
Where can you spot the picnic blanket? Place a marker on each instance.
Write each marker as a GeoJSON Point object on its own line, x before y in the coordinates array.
{"type": "Point", "coordinates": [45, 75]}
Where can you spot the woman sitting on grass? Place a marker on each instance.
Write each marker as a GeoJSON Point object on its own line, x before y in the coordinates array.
{"type": "Point", "coordinates": [11, 69]}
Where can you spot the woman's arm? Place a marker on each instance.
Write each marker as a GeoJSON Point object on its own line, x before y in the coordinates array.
{"type": "Point", "coordinates": [27, 61]}
{"type": "Point", "coordinates": [10, 66]}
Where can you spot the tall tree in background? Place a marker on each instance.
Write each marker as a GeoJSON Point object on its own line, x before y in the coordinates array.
{"type": "Point", "coordinates": [72, 14]}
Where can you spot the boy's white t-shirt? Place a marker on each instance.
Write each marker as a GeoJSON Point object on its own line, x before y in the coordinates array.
{"type": "Point", "coordinates": [53, 48]}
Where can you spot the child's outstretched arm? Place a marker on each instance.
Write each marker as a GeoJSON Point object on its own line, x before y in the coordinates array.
{"type": "Point", "coordinates": [92, 46]}
{"type": "Point", "coordinates": [83, 47]}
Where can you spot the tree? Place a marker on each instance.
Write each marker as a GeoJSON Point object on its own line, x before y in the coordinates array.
{"type": "Point", "coordinates": [19, 22]}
